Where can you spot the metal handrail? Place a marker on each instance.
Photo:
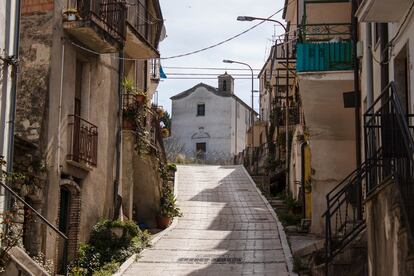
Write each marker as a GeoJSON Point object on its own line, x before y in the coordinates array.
{"type": "Point", "coordinates": [144, 22]}
{"type": "Point", "coordinates": [33, 210]}
{"type": "Point", "coordinates": [108, 14]}
{"type": "Point", "coordinates": [389, 147]}
{"type": "Point", "coordinates": [44, 220]}
{"type": "Point", "coordinates": [324, 32]}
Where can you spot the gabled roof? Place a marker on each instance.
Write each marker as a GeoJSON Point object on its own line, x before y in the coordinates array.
{"type": "Point", "coordinates": [191, 90]}
{"type": "Point", "coordinates": [211, 89]}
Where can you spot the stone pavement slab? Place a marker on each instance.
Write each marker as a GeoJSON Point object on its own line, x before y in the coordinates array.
{"type": "Point", "coordinates": [226, 229]}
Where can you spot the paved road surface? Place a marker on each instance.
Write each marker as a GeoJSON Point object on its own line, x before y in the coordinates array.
{"type": "Point", "coordinates": [227, 229]}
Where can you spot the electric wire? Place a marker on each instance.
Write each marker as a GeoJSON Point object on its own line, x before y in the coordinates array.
{"type": "Point", "coordinates": [196, 51]}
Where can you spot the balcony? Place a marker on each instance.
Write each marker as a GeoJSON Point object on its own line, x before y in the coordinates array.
{"type": "Point", "coordinates": [97, 24]}
{"type": "Point", "coordinates": [144, 28]}
{"type": "Point", "coordinates": [325, 47]}
{"type": "Point", "coordinates": [382, 11]}
{"type": "Point", "coordinates": [83, 142]}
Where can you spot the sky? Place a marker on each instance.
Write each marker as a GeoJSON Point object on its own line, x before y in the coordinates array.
{"type": "Point", "coordinates": [195, 24]}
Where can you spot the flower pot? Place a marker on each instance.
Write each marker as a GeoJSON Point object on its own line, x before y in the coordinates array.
{"type": "Point", "coordinates": [165, 133]}
{"type": "Point", "coordinates": [163, 222]}
{"type": "Point", "coordinates": [160, 112]}
{"type": "Point", "coordinates": [140, 98]}
{"type": "Point", "coordinates": [127, 124]}
{"type": "Point", "coordinates": [71, 16]}
{"type": "Point", "coordinates": [117, 231]}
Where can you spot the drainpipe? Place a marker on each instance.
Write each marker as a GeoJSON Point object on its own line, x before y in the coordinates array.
{"type": "Point", "coordinates": [59, 140]}
{"type": "Point", "coordinates": [13, 91]}
{"type": "Point", "coordinates": [117, 198]}
{"type": "Point", "coordinates": [302, 154]}
{"type": "Point", "coordinates": [368, 64]}
{"type": "Point", "coordinates": [12, 115]}
{"type": "Point", "coordinates": [385, 79]}
{"type": "Point", "coordinates": [357, 91]}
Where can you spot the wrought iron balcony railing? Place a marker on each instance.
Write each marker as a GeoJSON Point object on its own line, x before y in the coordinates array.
{"type": "Point", "coordinates": [144, 22]}
{"type": "Point", "coordinates": [83, 141]}
{"type": "Point", "coordinates": [325, 32]}
{"type": "Point", "coordinates": [107, 15]}
{"type": "Point", "coordinates": [324, 47]}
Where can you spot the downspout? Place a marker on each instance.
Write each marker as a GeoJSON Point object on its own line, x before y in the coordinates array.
{"type": "Point", "coordinates": [12, 114]}
{"type": "Point", "coordinates": [15, 71]}
{"type": "Point", "coordinates": [117, 198]}
{"type": "Point", "coordinates": [385, 79]}
{"type": "Point", "coordinates": [60, 109]}
{"type": "Point", "coordinates": [368, 64]}
{"type": "Point", "coordinates": [303, 180]}
{"type": "Point", "coordinates": [357, 92]}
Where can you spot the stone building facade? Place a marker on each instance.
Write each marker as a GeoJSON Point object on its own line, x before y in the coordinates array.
{"type": "Point", "coordinates": [68, 138]}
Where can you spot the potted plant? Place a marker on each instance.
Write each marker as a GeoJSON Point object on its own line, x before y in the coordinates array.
{"type": "Point", "coordinates": [169, 208]}
{"type": "Point", "coordinates": [165, 132]}
{"type": "Point", "coordinates": [128, 117]}
{"type": "Point", "coordinates": [141, 97]}
{"type": "Point", "coordinates": [71, 14]}
{"type": "Point", "coordinates": [160, 111]}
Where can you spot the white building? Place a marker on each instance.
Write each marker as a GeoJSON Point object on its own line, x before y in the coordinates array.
{"type": "Point", "coordinates": [210, 123]}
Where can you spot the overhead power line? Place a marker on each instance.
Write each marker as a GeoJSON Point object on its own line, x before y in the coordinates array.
{"type": "Point", "coordinates": [208, 68]}
{"type": "Point", "coordinates": [203, 74]}
{"type": "Point", "coordinates": [230, 38]}
{"type": "Point", "coordinates": [196, 51]}
{"type": "Point", "coordinates": [202, 78]}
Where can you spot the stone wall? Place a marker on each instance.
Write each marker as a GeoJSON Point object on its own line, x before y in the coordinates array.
{"type": "Point", "coordinates": [389, 246]}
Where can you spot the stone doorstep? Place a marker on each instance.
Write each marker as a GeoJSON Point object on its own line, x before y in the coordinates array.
{"type": "Point", "coordinates": [22, 260]}
{"type": "Point", "coordinates": [317, 245]}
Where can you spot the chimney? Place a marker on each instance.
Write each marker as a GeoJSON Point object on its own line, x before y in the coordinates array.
{"type": "Point", "coordinates": [226, 84]}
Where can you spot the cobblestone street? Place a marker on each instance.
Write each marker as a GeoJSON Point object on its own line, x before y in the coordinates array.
{"type": "Point", "coordinates": [226, 229]}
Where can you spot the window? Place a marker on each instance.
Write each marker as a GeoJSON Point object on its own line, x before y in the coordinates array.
{"type": "Point", "coordinates": [224, 85]}
{"type": "Point", "coordinates": [201, 110]}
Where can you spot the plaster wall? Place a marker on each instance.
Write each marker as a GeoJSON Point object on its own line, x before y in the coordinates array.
{"type": "Point", "coordinates": [389, 245]}
{"type": "Point", "coordinates": [332, 161]}
{"type": "Point", "coordinates": [338, 13]}
{"type": "Point", "coordinates": [219, 122]}
{"type": "Point", "coordinates": [146, 190]}
{"type": "Point", "coordinates": [332, 135]}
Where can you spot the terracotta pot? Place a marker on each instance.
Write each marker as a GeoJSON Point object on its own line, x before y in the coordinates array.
{"type": "Point", "coordinates": [165, 133]}
{"type": "Point", "coordinates": [140, 98]}
{"type": "Point", "coordinates": [160, 112]}
{"type": "Point", "coordinates": [127, 124]}
{"type": "Point", "coordinates": [163, 222]}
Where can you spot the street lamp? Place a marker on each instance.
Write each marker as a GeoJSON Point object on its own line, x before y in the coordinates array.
{"type": "Point", "coordinates": [252, 111]}
{"type": "Point", "coordinates": [251, 18]}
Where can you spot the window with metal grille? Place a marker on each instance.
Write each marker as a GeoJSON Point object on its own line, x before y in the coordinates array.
{"type": "Point", "coordinates": [201, 110]}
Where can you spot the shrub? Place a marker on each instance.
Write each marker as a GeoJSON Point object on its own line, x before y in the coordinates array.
{"type": "Point", "coordinates": [172, 167]}
{"type": "Point", "coordinates": [169, 204]}
{"type": "Point", "coordinates": [111, 243]}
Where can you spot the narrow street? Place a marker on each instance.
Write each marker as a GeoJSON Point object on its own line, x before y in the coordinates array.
{"type": "Point", "coordinates": [226, 229]}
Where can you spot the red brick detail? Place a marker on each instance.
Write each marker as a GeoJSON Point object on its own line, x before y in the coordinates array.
{"type": "Point", "coordinates": [73, 227]}
{"type": "Point", "coordinates": [34, 6]}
